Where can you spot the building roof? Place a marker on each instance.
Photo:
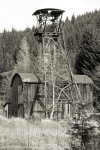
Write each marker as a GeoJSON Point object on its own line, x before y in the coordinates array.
{"type": "Point", "coordinates": [8, 102]}
{"type": "Point", "coordinates": [27, 77]}
{"type": "Point", "coordinates": [83, 79]}
{"type": "Point", "coordinates": [32, 78]}
{"type": "Point", "coordinates": [80, 79]}
{"type": "Point", "coordinates": [53, 11]}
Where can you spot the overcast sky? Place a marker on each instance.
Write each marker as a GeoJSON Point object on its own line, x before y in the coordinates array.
{"type": "Point", "coordinates": [18, 13]}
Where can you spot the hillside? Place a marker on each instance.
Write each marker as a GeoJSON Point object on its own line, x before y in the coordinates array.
{"type": "Point", "coordinates": [36, 134]}
{"type": "Point", "coordinates": [20, 51]}
{"type": "Point", "coordinates": [17, 133]}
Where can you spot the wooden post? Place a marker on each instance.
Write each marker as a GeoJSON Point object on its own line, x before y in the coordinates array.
{"type": "Point", "coordinates": [27, 99]}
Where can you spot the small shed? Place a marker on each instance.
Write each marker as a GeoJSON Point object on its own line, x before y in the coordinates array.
{"type": "Point", "coordinates": [85, 86]}
{"type": "Point", "coordinates": [24, 89]}
{"type": "Point", "coordinates": [7, 109]}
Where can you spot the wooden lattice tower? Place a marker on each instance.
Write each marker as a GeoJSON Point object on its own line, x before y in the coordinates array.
{"type": "Point", "coordinates": [59, 84]}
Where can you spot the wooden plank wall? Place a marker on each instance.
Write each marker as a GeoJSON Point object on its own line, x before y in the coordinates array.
{"type": "Point", "coordinates": [87, 95]}
{"type": "Point", "coordinates": [29, 91]}
{"type": "Point", "coordinates": [14, 92]}
{"type": "Point", "coordinates": [86, 92]}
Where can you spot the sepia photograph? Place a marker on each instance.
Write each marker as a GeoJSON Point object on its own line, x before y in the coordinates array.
{"type": "Point", "coordinates": [50, 75]}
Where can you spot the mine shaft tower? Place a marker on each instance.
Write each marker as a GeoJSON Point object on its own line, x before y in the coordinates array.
{"type": "Point", "coordinates": [59, 84]}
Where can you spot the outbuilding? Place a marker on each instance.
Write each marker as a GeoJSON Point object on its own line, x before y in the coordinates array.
{"type": "Point", "coordinates": [85, 86]}
{"type": "Point", "coordinates": [7, 109]}
{"type": "Point", "coordinates": [24, 89]}
{"type": "Point", "coordinates": [28, 97]}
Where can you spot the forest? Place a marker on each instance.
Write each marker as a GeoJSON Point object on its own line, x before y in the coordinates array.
{"type": "Point", "coordinates": [20, 51]}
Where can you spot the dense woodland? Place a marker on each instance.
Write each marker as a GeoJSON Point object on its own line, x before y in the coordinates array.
{"type": "Point", "coordinates": [20, 51]}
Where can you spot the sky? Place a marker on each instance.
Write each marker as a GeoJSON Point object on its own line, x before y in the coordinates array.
{"type": "Point", "coordinates": [18, 13]}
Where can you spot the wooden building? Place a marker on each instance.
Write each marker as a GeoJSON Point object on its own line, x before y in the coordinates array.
{"type": "Point", "coordinates": [27, 95]}
{"type": "Point", "coordinates": [24, 88]}
{"type": "Point", "coordinates": [1, 108]}
{"type": "Point", "coordinates": [7, 109]}
{"type": "Point", "coordinates": [85, 85]}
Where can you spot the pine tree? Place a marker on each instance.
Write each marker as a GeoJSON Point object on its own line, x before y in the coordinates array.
{"type": "Point", "coordinates": [89, 55]}
{"type": "Point", "coordinates": [23, 57]}
{"type": "Point", "coordinates": [96, 91]}
{"type": "Point", "coordinates": [8, 62]}
{"type": "Point", "coordinates": [85, 130]}
{"type": "Point", "coordinates": [73, 19]}
{"type": "Point", "coordinates": [34, 48]}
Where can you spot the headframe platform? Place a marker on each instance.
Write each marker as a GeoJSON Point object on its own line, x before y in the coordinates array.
{"type": "Point", "coordinates": [48, 22]}
{"type": "Point", "coordinates": [50, 11]}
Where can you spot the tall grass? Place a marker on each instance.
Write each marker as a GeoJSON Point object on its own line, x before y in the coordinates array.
{"type": "Point", "coordinates": [17, 133]}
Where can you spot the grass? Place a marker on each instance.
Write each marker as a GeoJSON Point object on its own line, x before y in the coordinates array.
{"type": "Point", "coordinates": [17, 133]}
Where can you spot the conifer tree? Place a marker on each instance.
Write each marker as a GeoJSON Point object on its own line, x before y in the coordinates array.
{"type": "Point", "coordinates": [8, 62]}
{"type": "Point", "coordinates": [85, 130]}
{"type": "Point", "coordinates": [23, 57]}
{"type": "Point", "coordinates": [89, 55]}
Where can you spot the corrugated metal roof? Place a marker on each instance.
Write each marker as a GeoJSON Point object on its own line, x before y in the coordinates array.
{"type": "Point", "coordinates": [83, 79]}
{"type": "Point", "coordinates": [27, 77]}
{"type": "Point", "coordinates": [80, 79]}
{"type": "Point", "coordinates": [32, 78]}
